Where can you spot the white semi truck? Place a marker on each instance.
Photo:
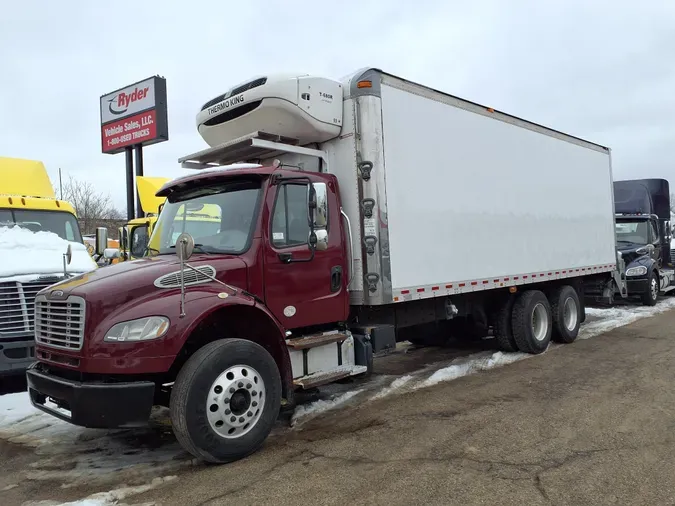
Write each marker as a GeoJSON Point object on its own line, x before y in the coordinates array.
{"type": "Point", "coordinates": [376, 210]}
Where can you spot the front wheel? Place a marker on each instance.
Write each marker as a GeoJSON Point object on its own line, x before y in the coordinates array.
{"type": "Point", "coordinates": [651, 293]}
{"type": "Point", "coordinates": [226, 400]}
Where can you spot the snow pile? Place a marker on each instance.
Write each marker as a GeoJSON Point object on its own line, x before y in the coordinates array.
{"type": "Point", "coordinates": [111, 498]}
{"type": "Point", "coordinates": [397, 384]}
{"type": "Point", "coordinates": [614, 317]}
{"type": "Point", "coordinates": [26, 252]}
{"type": "Point", "coordinates": [472, 364]}
{"type": "Point", "coordinates": [312, 409]}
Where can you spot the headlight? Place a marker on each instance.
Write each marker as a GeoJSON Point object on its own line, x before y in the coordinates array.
{"type": "Point", "coordinates": [142, 329]}
{"type": "Point", "coordinates": [637, 271]}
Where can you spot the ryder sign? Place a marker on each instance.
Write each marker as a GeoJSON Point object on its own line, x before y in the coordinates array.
{"type": "Point", "coordinates": [134, 115]}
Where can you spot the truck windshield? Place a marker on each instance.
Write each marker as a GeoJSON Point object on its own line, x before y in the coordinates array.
{"type": "Point", "coordinates": [219, 218]}
{"type": "Point", "coordinates": [635, 232]}
{"type": "Point", "coordinates": [61, 223]}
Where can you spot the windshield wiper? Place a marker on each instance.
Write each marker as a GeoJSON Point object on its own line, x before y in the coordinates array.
{"type": "Point", "coordinates": [200, 246]}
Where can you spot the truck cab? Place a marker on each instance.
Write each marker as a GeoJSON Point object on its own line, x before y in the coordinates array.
{"type": "Point", "coordinates": [36, 232]}
{"type": "Point", "coordinates": [643, 236]}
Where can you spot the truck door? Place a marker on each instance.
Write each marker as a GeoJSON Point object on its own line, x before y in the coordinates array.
{"type": "Point", "coordinates": [656, 242]}
{"type": "Point", "coordinates": [302, 292]}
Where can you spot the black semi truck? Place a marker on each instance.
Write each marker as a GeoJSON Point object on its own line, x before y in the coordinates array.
{"type": "Point", "coordinates": [643, 234]}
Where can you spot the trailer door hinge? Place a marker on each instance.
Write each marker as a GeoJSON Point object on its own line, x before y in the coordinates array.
{"type": "Point", "coordinates": [364, 168]}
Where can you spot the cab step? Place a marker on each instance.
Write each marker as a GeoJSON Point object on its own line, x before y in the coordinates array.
{"type": "Point", "coordinates": [314, 340]}
{"type": "Point", "coordinates": [323, 378]}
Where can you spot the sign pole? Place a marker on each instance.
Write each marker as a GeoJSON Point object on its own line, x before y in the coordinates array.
{"type": "Point", "coordinates": [128, 151]}
{"type": "Point", "coordinates": [139, 172]}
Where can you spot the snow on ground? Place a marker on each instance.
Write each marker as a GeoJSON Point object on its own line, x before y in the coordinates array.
{"type": "Point", "coordinates": [26, 252]}
{"type": "Point", "coordinates": [76, 456]}
{"type": "Point", "coordinates": [307, 411]}
{"type": "Point", "coordinates": [110, 498]}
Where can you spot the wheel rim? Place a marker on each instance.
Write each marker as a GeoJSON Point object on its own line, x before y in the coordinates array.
{"type": "Point", "coordinates": [654, 288]}
{"type": "Point", "coordinates": [235, 401]}
{"type": "Point", "coordinates": [570, 314]}
{"type": "Point", "coordinates": [539, 322]}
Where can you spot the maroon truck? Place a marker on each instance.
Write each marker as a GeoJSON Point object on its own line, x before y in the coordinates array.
{"type": "Point", "coordinates": [326, 255]}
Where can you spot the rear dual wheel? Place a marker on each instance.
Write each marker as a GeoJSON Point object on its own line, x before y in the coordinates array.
{"type": "Point", "coordinates": [528, 321]}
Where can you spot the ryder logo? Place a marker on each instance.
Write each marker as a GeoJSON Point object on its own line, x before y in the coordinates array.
{"type": "Point", "coordinates": [119, 104]}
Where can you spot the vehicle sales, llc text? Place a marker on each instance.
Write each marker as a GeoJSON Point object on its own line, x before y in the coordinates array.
{"type": "Point", "coordinates": [129, 131]}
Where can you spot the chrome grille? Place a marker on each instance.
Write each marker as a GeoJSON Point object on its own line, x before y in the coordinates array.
{"type": "Point", "coordinates": [17, 305]}
{"type": "Point", "coordinates": [60, 323]}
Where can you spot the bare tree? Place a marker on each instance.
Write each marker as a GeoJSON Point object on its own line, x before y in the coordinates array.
{"type": "Point", "coordinates": [94, 209]}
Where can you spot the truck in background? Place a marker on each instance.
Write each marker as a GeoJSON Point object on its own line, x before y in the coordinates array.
{"type": "Point", "coordinates": [36, 231]}
{"type": "Point", "coordinates": [135, 234]}
{"type": "Point", "coordinates": [643, 230]}
{"type": "Point", "coordinates": [372, 219]}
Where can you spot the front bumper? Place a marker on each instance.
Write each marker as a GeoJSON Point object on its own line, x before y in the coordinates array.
{"type": "Point", "coordinates": [637, 286]}
{"type": "Point", "coordinates": [94, 405]}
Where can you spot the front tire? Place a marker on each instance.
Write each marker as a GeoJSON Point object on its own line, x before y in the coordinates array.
{"type": "Point", "coordinates": [531, 322]}
{"type": "Point", "coordinates": [226, 400]}
{"type": "Point", "coordinates": [651, 293]}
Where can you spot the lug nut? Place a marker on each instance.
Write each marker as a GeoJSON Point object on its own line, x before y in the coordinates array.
{"type": "Point", "coordinates": [240, 384]}
{"type": "Point", "coordinates": [242, 419]}
{"type": "Point", "coordinates": [227, 411]}
{"type": "Point", "coordinates": [226, 400]}
{"type": "Point", "coordinates": [249, 414]}
{"type": "Point", "coordinates": [249, 386]}
{"type": "Point", "coordinates": [233, 419]}
{"type": "Point", "coordinates": [254, 404]}
{"type": "Point", "coordinates": [232, 390]}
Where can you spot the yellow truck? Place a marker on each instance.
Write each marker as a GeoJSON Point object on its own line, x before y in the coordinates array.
{"type": "Point", "coordinates": [135, 234]}
{"type": "Point", "coordinates": [40, 244]}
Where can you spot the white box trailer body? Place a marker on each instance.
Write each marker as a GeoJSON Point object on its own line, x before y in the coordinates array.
{"type": "Point", "coordinates": [445, 196]}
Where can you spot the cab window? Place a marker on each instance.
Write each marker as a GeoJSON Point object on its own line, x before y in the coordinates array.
{"type": "Point", "coordinates": [290, 221]}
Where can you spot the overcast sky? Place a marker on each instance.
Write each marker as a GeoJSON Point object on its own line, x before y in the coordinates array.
{"type": "Point", "coordinates": [604, 72]}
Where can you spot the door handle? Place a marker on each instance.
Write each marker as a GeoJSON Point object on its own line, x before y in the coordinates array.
{"type": "Point", "coordinates": [335, 278]}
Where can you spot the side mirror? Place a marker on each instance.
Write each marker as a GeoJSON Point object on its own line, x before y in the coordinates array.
{"type": "Point", "coordinates": [110, 253]}
{"type": "Point", "coordinates": [321, 239]}
{"type": "Point", "coordinates": [311, 205]}
{"type": "Point", "coordinates": [185, 245]}
{"type": "Point", "coordinates": [69, 254]}
{"type": "Point", "coordinates": [320, 205]}
{"type": "Point", "coordinates": [101, 240]}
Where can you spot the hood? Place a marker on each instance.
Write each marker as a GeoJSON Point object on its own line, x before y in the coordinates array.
{"type": "Point", "coordinates": [630, 253]}
{"type": "Point", "coordinates": [109, 288]}
{"type": "Point", "coordinates": [25, 252]}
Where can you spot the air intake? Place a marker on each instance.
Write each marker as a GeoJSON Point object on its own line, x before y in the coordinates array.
{"type": "Point", "coordinates": [172, 280]}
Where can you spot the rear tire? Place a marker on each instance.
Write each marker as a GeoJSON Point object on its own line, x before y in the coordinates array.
{"type": "Point", "coordinates": [502, 325]}
{"type": "Point", "coordinates": [566, 314]}
{"type": "Point", "coordinates": [531, 322]}
{"type": "Point", "coordinates": [226, 400]}
{"type": "Point", "coordinates": [651, 293]}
